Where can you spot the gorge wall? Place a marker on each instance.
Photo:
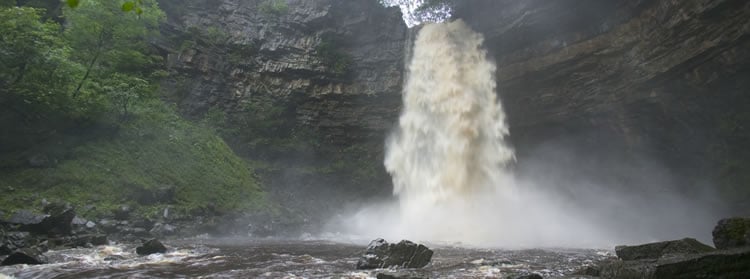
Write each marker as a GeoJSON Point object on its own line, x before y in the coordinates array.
{"type": "Point", "coordinates": [308, 89]}
{"type": "Point", "coordinates": [660, 79]}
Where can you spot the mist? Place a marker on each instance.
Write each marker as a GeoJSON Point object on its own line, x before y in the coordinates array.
{"type": "Point", "coordinates": [457, 181]}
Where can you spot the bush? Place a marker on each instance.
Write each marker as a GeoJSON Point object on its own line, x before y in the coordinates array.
{"type": "Point", "coordinates": [274, 7]}
{"type": "Point", "coordinates": [332, 57]}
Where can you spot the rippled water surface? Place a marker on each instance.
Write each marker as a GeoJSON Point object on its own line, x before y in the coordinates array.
{"type": "Point", "coordinates": [251, 258]}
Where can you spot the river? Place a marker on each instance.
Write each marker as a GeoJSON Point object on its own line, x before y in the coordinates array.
{"type": "Point", "coordinates": [294, 258]}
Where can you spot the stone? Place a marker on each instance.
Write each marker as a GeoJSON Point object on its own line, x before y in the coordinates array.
{"type": "Point", "coordinates": [149, 247]}
{"type": "Point", "coordinates": [396, 276]}
{"type": "Point", "coordinates": [13, 241]}
{"type": "Point", "coordinates": [122, 212]}
{"type": "Point", "coordinates": [531, 276]}
{"type": "Point", "coordinates": [659, 249]}
{"type": "Point", "coordinates": [721, 264]}
{"type": "Point", "coordinates": [732, 233]}
{"type": "Point", "coordinates": [405, 254]}
{"type": "Point", "coordinates": [161, 229]}
{"type": "Point", "coordinates": [26, 217]}
{"type": "Point", "coordinates": [25, 256]}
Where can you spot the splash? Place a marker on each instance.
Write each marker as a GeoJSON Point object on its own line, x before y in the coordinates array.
{"type": "Point", "coordinates": [449, 159]}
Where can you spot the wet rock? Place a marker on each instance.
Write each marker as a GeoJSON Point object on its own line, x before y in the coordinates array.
{"type": "Point", "coordinates": [531, 276]}
{"type": "Point", "coordinates": [396, 276]}
{"type": "Point", "coordinates": [108, 225]}
{"type": "Point", "coordinates": [659, 249]}
{"type": "Point", "coordinates": [122, 212]}
{"type": "Point", "coordinates": [406, 254]}
{"type": "Point", "coordinates": [161, 229]}
{"type": "Point", "coordinates": [12, 241]}
{"type": "Point", "coordinates": [59, 221]}
{"type": "Point", "coordinates": [149, 247]}
{"type": "Point", "coordinates": [113, 258]}
{"type": "Point", "coordinates": [26, 217]}
{"type": "Point", "coordinates": [732, 233]}
{"type": "Point", "coordinates": [144, 223]}
{"type": "Point", "coordinates": [78, 221]}
{"type": "Point", "coordinates": [25, 256]}
{"type": "Point", "coordinates": [90, 225]}
{"type": "Point", "coordinates": [721, 264]}
{"type": "Point", "coordinates": [87, 240]}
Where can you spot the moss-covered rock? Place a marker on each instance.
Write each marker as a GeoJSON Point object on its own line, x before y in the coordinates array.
{"type": "Point", "coordinates": [732, 233]}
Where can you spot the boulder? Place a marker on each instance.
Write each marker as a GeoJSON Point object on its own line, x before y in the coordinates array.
{"type": "Point", "coordinates": [161, 229]}
{"type": "Point", "coordinates": [659, 249]}
{"type": "Point", "coordinates": [149, 247]}
{"type": "Point", "coordinates": [722, 264]}
{"type": "Point", "coordinates": [732, 233]}
{"type": "Point", "coordinates": [531, 276]}
{"type": "Point", "coordinates": [25, 256]}
{"type": "Point", "coordinates": [122, 212]}
{"type": "Point", "coordinates": [59, 220]}
{"type": "Point", "coordinates": [26, 217]}
{"type": "Point", "coordinates": [13, 241]}
{"type": "Point", "coordinates": [405, 254]}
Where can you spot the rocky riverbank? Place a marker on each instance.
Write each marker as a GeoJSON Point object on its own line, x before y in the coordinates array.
{"type": "Point", "coordinates": [29, 233]}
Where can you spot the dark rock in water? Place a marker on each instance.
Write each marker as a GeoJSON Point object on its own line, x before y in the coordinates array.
{"type": "Point", "coordinates": [406, 254]}
{"type": "Point", "coordinates": [531, 276]}
{"type": "Point", "coordinates": [122, 212]}
{"type": "Point", "coordinates": [25, 256]}
{"type": "Point", "coordinates": [732, 233]}
{"type": "Point", "coordinates": [659, 249]}
{"type": "Point", "coordinates": [26, 217]}
{"type": "Point", "coordinates": [396, 276]}
{"type": "Point", "coordinates": [113, 258]}
{"type": "Point", "coordinates": [152, 246]}
{"type": "Point", "coordinates": [722, 264]}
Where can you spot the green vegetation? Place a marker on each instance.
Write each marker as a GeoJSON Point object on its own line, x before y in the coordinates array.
{"type": "Point", "coordinates": [156, 149]}
{"type": "Point", "coordinates": [274, 7]}
{"type": "Point", "coordinates": [84, 98]}
{"type": "Point", "coordinates": [333, 57]}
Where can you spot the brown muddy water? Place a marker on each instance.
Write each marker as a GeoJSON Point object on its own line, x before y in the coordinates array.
{"type": "Point", "coordinates": [283, 258]}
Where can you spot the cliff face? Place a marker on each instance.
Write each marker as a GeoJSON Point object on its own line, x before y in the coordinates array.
{"type": "Point", "coordinates": [662, 78]}
{"type": "Point", "coordinates": [306, 89]}
{"type": "Point", "coordinates": [335, 65]}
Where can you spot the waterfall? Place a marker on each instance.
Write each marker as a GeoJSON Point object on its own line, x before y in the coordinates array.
{"type": "Point", "coordinates": [449, 143]}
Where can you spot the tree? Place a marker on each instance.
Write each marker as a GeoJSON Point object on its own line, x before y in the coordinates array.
{"type": "Point", "coordinates": [37, 74]}
{"type": "Point", "coordinates": [108, 40]}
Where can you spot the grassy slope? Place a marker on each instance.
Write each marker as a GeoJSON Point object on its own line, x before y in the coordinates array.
{"type": "Point", "coordinates": [156, 149]}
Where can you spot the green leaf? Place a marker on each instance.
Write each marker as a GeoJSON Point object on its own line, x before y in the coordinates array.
{"type": "Point", "coordinates": [73, 3]}
{"type": "Point", "coordinates": [138, 10]}
{"type": "Point", "coordinates": [128, 6]}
